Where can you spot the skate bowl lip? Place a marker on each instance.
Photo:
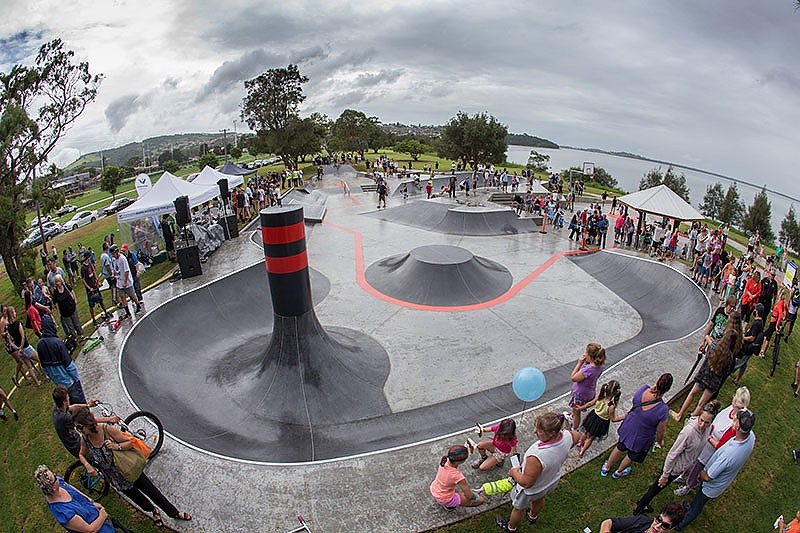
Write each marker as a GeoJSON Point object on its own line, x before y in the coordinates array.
{"type": "Point", "coordinates": [434, 438]}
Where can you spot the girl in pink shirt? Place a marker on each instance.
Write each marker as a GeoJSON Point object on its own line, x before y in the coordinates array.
{"type": "Point", "coordinates": [448, 478]}
{"type": "Point", "coordinates": [503, 444]}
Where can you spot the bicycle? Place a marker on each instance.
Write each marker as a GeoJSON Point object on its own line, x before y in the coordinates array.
{"type": "Point", "coordinates": [776, 350]}
{"type": "Point", "coordinates": [141, 425]}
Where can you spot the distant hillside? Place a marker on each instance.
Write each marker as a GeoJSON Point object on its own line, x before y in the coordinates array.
{"type": "Point", "coordinates": [189, 143]}
{"type": "Point", "coordinates": [523, 139]}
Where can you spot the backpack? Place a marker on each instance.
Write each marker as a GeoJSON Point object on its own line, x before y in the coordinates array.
{"type": "Point", "coordinates": [796, 297]}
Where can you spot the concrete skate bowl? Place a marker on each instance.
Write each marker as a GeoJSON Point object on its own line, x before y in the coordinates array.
{"type": "Point", "coordinates": [205, 363]}
{"type": "Point", "coordinates": [183, 361]}
{"type": "Point", "coordinates": [313, 202]}
{"type": "Point", "coordinates": [439, 275]}
{"type": "Point", "coordinates": [443, 217]}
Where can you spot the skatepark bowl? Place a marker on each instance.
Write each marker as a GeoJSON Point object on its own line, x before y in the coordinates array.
{"type": "Point", "coordinates": [207, 362]}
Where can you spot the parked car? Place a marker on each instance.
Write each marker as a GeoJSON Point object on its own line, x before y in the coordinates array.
{"type": "Point", "coordinates": [80, 219]}
{"type": "Point", "coordinates": [65, 210]}
{"type": "Point", "coordinates": [35, 221]}
{"type": "Point", "coordinates": [34, 238]}
{"type": "Point", "coordinates": [117, 205]}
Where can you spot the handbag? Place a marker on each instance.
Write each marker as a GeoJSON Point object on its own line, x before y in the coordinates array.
{"type": "Point", "coordinates": [139, 446]}
{"type": "Point", "coordinates": [129, 463]}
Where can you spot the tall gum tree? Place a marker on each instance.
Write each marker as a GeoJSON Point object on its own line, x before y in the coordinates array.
{"type": "Point", "coordinates": [39, 104]}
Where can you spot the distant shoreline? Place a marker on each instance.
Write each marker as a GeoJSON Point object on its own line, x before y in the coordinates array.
{"type": "Point", "coordinates": [628, 155]}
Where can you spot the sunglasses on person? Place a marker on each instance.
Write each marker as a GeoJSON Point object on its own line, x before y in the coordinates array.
{"type": "Point", "coordinates": [662, 523]}
{"type": "Point", "coordinates": [79, 427]}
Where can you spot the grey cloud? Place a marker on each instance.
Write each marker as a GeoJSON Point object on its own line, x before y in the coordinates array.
{"type": "Point", "coordinates": [231, 73]}
{"type": "Point", "coordinates": [349, 98]}
{"type": "Point", "coordinates": [782, 77]}
{"type": "Point", "coordinates": [120, 110]}
{"type": "Point", "coordinates": [170, 83]}
{"type": "Point", "coordinates": [308, 54]}
{"type": "Point", "coordinates": [371, 79]}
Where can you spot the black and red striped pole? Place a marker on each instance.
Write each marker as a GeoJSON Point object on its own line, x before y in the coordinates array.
{"type": "Point", "coordinates": [284, 235]}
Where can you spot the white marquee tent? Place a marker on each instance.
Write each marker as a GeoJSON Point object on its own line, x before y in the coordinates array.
{"type": "Point", "coordinates": [209, 176]}
{"type": "Point", "coordinates": [158, 200]}
{"type": "Point", "coordinates": [661, 200]}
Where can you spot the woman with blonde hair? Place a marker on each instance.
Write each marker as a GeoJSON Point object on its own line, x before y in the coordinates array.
{"type": "Point", "coordinates": [540, 471]}
{"type": "Point", "coordinates": [69, 506]}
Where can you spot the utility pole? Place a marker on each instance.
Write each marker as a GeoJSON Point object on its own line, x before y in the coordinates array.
{"type": "Point", "coordinates": [235, 137]}
{"type": "Point", "coordinates": [225, 141]}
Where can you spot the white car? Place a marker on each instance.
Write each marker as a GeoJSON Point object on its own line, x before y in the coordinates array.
{"type": "Point", "coordinates": [80, 219]}
{"type": "Point", "coordinates": [65, 210]}
{"type": "Point", "coordinates": [35, 221]}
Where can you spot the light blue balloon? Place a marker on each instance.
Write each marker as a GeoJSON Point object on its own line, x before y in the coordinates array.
{"type": "Point", "coordinates": [529, 384]}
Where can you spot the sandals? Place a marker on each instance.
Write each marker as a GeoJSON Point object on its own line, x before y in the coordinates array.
{"type": "Point", "coordinates": [183, 515]}
{"type": "Point", "coordinates": [157, 518]}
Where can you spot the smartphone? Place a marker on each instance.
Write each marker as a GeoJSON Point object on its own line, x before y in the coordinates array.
{"type": "Point", "coordinates": [515, 461]}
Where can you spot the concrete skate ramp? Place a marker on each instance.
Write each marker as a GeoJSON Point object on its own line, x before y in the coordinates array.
{"type": "Point", "coordinates": [454, 219]}
{"type": "Point", "coordinates": [439, 275]}
{"type": "Point", "coordinates": [170, 365]}
{"type": "Point", "coordinates": [313, 202]}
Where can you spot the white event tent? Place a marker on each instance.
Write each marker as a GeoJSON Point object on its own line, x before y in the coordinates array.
{"type": "Point", "coordinates": [160, 198]}
{"type": "Point", "coordinates": [209, 176]}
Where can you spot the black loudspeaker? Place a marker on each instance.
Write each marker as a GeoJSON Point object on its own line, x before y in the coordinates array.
{"type": "Point", "coordinates": [230, 227]}
{"type": "Point", "coordinates": [189, 261]}
{"type": "Point", "coordinates": [182, 214]}
{"type": "Point", "coordinates": [224, 194]}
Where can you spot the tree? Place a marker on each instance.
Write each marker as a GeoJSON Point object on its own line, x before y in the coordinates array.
{"type": "Point", "coordinates": [759, 217]}
{"type": "Point", "coordinates": [602, 177]}
{"type": "Point", "coordinates": [175, 154]}
{"type": "Point", "coordinates": [538, 161]}
{"type": "Point", "coordinates": [412, 147]}
{"type": "Point", "coordinates": [789, 233]}
{"type": "Point", "coordinates": [235, 152]}
{"type": "Point", "coordinates": [270, 108]}
{"type": "Point", "coordinates": [208, 160]}
{"type": "Point", "coordinates": [171, 166]}
{"type": "Point", "coordinates": [111, 180]}
{"type": "Point", "coordinates": [352, 131]}
{"type": "Point", "coordinates": [732, 208]}
{"type": "Point", "coordinates": [712, 201]}
{"type": "Point", "coordinates": [46, 198]}
{"type": "Point", "coordinates": [38, 105]}
{"type": "Point", "coordinates": [478, 138]}
{"type": "Point", "coordinates": [672, 180]}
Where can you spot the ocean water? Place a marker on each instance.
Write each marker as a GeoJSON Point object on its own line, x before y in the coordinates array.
{"type": "Point", "coordinates": [629, 171]}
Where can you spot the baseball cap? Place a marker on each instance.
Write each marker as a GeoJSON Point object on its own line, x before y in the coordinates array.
{"type": "Point", "coordinates": [114, 249]}
{"type": "Point", "coordinates": [124, 247]}
{"type": "Point", "coordinates": [746, 420]}
{"type": "Point", "coordinates": [759, 308]}
{"type": "Point", "coordinates": [87, 254]}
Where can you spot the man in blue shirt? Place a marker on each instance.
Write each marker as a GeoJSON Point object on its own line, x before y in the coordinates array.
{"type": "Point", "coordinates": [724, 465]}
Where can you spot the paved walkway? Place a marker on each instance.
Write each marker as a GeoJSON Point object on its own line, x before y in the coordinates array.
{"type": "Point", "coordinates": [388, 491]}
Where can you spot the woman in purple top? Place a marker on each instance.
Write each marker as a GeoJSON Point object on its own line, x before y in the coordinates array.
{"type": "Point", "coordinates": [584, 380]}
{"type": "Point", "coordinates": [643, 424]}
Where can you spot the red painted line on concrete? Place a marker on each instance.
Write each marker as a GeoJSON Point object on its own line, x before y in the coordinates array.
{"type": "Point", "coordinates": [510, 293]}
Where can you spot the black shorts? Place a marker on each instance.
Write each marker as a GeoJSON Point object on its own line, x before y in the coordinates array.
{"type": "Point", "coordinates": [791, 317]}
{"type": "Point", "coordinates": [94, 298]}
{"type": "Point", "coordinates": [770, 330]}
{"type": "Point", "coordinates": [636, 457]}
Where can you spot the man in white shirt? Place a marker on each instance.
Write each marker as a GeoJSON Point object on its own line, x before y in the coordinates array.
{"type": "Point", "coordinates": [124, 280]}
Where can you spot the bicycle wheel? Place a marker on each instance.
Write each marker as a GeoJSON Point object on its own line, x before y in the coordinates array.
{"type": "Point", "coordinates": [147, 427]}
{"type": "Point", "coordinates": [94, 487]}
{"type": "Point", "coordinates": [776, 351]}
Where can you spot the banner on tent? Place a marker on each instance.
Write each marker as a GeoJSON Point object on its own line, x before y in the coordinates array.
{"type": "Point", "coordinates": [143, 184]}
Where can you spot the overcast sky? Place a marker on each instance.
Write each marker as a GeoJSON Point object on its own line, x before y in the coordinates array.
{"type": "Point", "coordinates": [711, 84]}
